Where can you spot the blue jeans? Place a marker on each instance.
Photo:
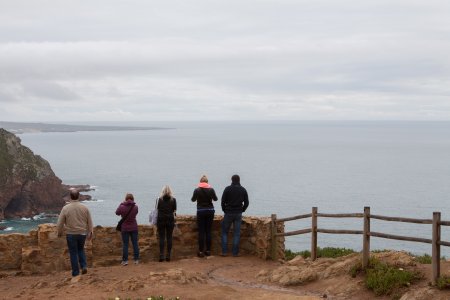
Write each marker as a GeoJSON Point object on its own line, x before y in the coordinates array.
{"type": "Point", "coordinates": [134, 241]}
{"type": "Point", "coordinates": [228, 219]}
{"type": "Point", "coordinates": [205, 220]}
{"type": "Point", "coordinates": [75, 243]}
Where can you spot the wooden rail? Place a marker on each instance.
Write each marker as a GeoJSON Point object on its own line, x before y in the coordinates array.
{"type": "Point", "coordinates": [435, 240]}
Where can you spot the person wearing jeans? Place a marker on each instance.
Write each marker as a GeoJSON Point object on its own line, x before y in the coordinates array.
{"type": "Point", "coordinates": [234, 202]}
{"type": "Point", "coordinates": [229, 219]}
{"type": "Point", "coordinates": [75, 243]}
{"type": "Point", "coordinates": [128, 210]}
{"type": "Point", "coordinates": [204, 194]}
{"type": "Point", "coordinates": [76, 220]}
{"type": "Point", "coordinates": [126, 236]}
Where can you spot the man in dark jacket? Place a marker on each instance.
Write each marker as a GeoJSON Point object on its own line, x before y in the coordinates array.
{"type": "Point", "coordinates": [234, 203]}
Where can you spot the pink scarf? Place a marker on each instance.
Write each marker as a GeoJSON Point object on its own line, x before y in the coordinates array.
{"type": "Point", "coordinates": [204, 185]}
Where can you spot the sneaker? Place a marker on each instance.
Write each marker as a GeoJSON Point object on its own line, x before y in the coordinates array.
{"type": "Point", "coordinates": [161, 258]}
{"type": "Point", "coordinates": [136, 262]}
{"type": "Point", "coordinates": [207, 253]}
{"type": "Point", "coordinates": [224, 255]}
{"type": "Point", "coordinates": [167, 258]}
{"type": "Point", "coordinates": [125, 263]}
{"type": "Point", "coordinates": [200, 254]}
{"type": "Point", "coordinates": [84, 271]}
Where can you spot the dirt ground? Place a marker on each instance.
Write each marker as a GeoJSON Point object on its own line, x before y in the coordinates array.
{"type": "Point", "coordinates": [214, 277]}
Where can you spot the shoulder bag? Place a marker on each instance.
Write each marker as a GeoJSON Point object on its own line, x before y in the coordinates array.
{"type": "Point", "coordinates": [119, 225]}
{"type": "Point", "coordinates": [153, 216]}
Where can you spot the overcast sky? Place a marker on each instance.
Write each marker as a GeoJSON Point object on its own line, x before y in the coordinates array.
{"type": "Point", "coordinates": [141, 60]}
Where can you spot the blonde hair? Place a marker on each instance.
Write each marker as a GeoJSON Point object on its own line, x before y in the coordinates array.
{"type": "Point", "coordinates": [204, 179]}
{"type": "Point", "coordinates": [166, 191]}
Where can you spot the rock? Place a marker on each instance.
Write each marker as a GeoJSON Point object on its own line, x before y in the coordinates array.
{"type": "Point", "coordinates": [423, 293]}
{"type": "Point", "coordinates": [396, 258]}
{"type": "Point", "coordinates": [28, 185]}
{"type": "Point", "coordinates": [75, 279]}
{"type": "Point", "coordinates": [40, 285]}
{"type": "Point", "coordinates": [80, 187]}
{"type": "Point", "coordinates": [300, 270]}
{"type": "Point", "coordinates": [296, 261]}
{"type": "Point", "coordinates": [342, 266]}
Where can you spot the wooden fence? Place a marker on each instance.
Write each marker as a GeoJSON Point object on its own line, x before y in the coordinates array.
{"type": "Point", "coordinates": [435, 240]}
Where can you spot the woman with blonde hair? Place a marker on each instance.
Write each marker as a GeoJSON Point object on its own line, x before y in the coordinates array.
{"type": "Point", "coordinates": [167, 206]}
{"type": "Point", "coordinates": [204, 194]}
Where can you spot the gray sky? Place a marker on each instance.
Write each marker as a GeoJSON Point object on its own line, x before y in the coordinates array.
{"type": "Point", "coordinates": [141, 60]}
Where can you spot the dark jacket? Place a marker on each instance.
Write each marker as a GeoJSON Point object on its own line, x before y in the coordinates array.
{"type": "Point", "coordinates": [204, 197]}
{"type": "Point", "coordinates": [166, 208]}
{"type": "Point", "coordinates": [130, 223]}
{"type": "Point", "coordinates": [234, 199]}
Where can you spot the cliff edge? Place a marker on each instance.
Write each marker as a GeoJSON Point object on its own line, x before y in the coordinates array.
{"type": "Point", "coordinates": [28, 185]}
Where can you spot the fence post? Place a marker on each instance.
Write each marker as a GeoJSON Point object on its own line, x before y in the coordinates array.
{"type": "Point", "coordinates": [273, 237]}
{"type": "Point", "coordinates": [435, 247]}
{"type": "Point", "coordinates": [366, 238]}
{"type": "Point", "coordinates": [314, 233]}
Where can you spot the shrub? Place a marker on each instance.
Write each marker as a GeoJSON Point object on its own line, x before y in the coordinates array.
{"type": "Point", "coordinates": [333, 252]}
{"type": "Point", "coordinates": [423, 259]}
{"type": "Point", "coordinates": [329, 252]}
{"type": "Point", "coordinates": [443, 282]}
{"type": "Point", "coordinates": [356, 269]}
{"type": "Point", "coordinates": [379, 250]}
{"type": "Point", "coordinates": [288, 254]}
{"type": "Point", "coordinates": [384, 279]}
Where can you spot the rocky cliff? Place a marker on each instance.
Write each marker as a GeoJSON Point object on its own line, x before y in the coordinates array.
{"type": "Point", "coordinates": [28, 185]}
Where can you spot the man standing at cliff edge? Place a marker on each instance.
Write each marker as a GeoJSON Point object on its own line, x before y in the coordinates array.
{"type": "Point", "coordinates": [76, 219]}
{"type": "Point", "coordinates": [234, 203]}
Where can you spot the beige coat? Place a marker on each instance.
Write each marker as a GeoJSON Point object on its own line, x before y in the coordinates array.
{"type": "Point", "coordinates": [75, 218]}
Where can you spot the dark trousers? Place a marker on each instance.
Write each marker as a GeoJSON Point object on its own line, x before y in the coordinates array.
{"type": "Point", "coordinates": [75, 243]}
{"type": "Point", "coordinates": [126, 235]}
{"type": "Point", "coordinates": [165, 231]}
{"type": "Point", "coordinates": [204, 223]}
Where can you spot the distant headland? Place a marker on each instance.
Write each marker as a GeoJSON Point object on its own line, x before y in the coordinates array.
{"type": "Point", "coordinates": [19, 127]}
{"type": "Point", "coordinates": [28, 185]}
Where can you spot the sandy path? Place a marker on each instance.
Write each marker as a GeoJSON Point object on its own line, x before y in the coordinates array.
{"type": "Point", "coordinates": [192, 278]}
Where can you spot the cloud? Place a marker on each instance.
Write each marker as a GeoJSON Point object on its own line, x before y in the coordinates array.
{"type": "Point", "coordinates": [236, 60]}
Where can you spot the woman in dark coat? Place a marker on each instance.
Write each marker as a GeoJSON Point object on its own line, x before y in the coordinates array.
{"type": "Point", "coordinates": [204, 194]}
{"type": "Point", "coordinates": [167, 206]}
{"type": "Point", "coordinates": [129, 228]}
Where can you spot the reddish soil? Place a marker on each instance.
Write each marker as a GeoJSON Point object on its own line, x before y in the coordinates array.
{"type": "Point", "coordinates": [192, 278]}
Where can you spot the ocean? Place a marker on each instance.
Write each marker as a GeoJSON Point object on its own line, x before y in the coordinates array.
{"type": "Point", "coordinates": [397, 168]}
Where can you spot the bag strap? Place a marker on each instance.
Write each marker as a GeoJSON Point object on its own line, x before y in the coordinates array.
{"type": "Point", "coordinates": [128, 213]}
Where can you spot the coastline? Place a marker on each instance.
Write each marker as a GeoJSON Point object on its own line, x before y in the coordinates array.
{"type": "Point", "coordinates": [20, 128]}
{"type": "Point", "coordinates": [26, 224]}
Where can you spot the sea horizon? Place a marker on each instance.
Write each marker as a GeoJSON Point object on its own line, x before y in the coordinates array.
{"type": "Point", "coordinates": [399, 168]}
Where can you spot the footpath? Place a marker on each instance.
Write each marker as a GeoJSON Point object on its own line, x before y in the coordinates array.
{"type": "Point", "coordinates": [214, 277]}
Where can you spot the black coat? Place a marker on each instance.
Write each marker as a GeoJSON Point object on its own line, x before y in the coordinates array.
{"type": "Point", "coordinates": [234, 199]}
{"type": "Point", "coordinates": [204, 197]}
{"type": "Point", "coordinates": [166, 208]}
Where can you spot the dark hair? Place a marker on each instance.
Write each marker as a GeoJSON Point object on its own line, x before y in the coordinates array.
{"type": "Point", "coordinates": [129, 196]}
{"type": "Point", "coordinates": [235, 179]}
{"type": "Point", "coordinates": [74, 194]}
